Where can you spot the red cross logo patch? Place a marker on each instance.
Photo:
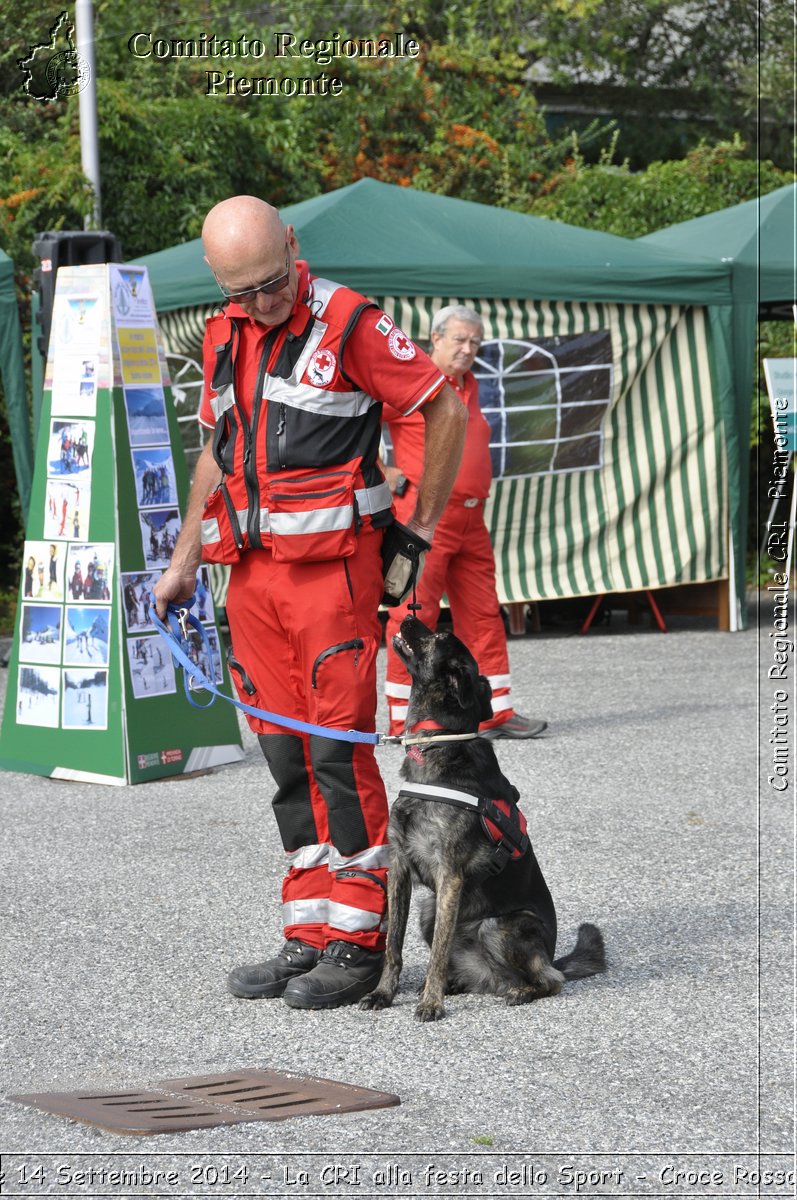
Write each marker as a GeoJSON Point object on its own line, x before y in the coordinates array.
{"type": "Point", "coordinates": [400, 345]}
{"type": "Point", "coordinates": [321, 368]}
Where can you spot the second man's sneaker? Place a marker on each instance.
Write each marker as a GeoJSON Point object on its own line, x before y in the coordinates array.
{"type": "Point", "coordinates": [344, 974]}
{"type": "Point", "coordinates": [265, 981]}
{"type": "Point", "coordinates": [515, 727]}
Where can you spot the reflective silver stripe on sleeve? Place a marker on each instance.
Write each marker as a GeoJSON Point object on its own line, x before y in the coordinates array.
{"type": "Point", "coordinates": [305, 912]}
{"type": "Point", "coordinates": [435, 387]}
{"type": "Point", "coordinates": [222, 400]}
{"type": "Point", "coordinates": [309, 856]}
{"type": "Point", "coordinates": [321, 520]}
{"type": "Point", "coordinates": [374, 499]}
{"type": "Point", "coordinates": [209, 532]}
{"type": "Point", "coordinates": [374, 856]}
{"type": "Point", "coordinates": [352, 920]}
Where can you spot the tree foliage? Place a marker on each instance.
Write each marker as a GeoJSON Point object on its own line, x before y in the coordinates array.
{"type": "Point", "coordinates": [615, 199]}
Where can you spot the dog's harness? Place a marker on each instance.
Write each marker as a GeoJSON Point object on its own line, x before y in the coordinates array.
{"type": "Point", "coordinates": [502, 820]}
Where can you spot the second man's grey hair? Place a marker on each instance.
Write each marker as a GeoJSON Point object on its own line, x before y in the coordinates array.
{"type": "Point", "coordinates": [455, 312]}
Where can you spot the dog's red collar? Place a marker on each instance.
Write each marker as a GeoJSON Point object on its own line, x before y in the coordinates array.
{"type": "Point", "coordinates": [434, 726]}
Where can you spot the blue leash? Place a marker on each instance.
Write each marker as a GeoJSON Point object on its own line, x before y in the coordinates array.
{"type": "Point", "coordinates": [175, 631]}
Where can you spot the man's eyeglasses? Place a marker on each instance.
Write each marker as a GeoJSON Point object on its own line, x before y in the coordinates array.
{"type": "Point", "coordinates": [268, 288]}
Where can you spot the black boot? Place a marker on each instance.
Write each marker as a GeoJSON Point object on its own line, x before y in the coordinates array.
{"type": "Point", "coordinates": [345, 973]}
{"type": "Point", "coordinates": [267, 980]}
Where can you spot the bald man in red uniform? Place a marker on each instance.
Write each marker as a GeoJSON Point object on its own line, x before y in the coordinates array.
{"type": "Point", "coordinates": [288, 491]}
{"type": "Point", "coordinates": [461, 561]}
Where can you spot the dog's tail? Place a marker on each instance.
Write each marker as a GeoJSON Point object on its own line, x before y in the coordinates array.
{"type": "Point", "coordinates": [588, 956]}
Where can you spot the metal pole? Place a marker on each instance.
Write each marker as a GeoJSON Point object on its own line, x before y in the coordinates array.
{"type": "Point", "coordinates": [89, 141]}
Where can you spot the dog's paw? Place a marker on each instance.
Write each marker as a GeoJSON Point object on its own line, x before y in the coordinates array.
{"type": "Point", "coordinates": [523, 995]}
{"type": "Point", "coordinates": [375, 1001]}
{"type": "Point", "coordinates": [430, 1010]}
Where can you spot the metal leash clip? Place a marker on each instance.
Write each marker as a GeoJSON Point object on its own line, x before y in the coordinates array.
{"type": "Point", "coordinates": [182, 618]}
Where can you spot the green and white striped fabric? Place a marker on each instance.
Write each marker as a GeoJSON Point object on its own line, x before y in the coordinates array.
{"type": "Point", "coordinates": [655, 513]}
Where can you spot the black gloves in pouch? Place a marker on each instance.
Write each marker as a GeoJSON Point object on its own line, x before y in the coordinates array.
{"type": "Point", "coordinates": [402, 562]}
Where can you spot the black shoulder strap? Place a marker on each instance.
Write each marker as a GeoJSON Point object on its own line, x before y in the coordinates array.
{"type": "Point", "coordinates": [347, 331]}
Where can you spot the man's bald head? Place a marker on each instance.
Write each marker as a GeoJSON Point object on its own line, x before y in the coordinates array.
{"type": "Point", "coordinates": [246, 245]}
{"type": "Point", "coordinates": [235, 226]}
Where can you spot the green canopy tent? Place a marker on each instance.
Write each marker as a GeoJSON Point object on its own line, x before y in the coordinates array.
{"type": "Point", "coordinates": [757, 240]}
{"type": "Point", "coordinates": [606, 378]}
{"type": "Point", "coordinates": [13, 373]}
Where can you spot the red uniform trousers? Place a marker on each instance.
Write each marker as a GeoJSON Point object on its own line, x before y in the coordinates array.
{"type": "Point", "coordinates": [306, 637]}
{"type": "Point", "coordinates": [462, 565]}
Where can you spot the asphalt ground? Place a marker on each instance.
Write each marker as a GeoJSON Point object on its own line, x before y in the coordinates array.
{"type": "Point", "coordinates": [123, 909]}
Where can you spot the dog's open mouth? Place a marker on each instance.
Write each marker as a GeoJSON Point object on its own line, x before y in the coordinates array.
{"type": "Point", "coordinates": [402, 648]}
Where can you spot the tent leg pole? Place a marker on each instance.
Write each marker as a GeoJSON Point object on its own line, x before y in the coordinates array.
{"type": "Point", "coordinates": [591, 615]}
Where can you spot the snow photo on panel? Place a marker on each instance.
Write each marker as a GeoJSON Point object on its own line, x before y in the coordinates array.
{"type": "Point", "coordinates": [159, 530]}
{"type": "Point", "coordinates": [86, 636]}
{"type": "Point", "coordinates": [155, 480]}
{"type": "Point", "coordinates": [70, 448]}
{"type": "Point", "coordinates": [151, 667]}
{"type": "Point", "coordinates": [38, 696]}
{"type": "Point", "coordinates": [66, 508]}
{"type": "Point", "coordinates": [146, 416]}
{"type": "Point", "coordinates": [40, 633]}
{"type": "Point", "coordinates": [89, 571]}
{"type": "Point", "coordinates": [136, 590]}
{"type": "Point", "coordinates": [85, 699]}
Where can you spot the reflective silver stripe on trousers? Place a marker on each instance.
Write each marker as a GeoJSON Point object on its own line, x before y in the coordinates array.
{"type": "Point", "coordinates": [352, 920]}
{"type": "Point", "coordinates": [309, 856]}
{"type": "Point", "coordinates": [375, 856]}
{"type": "Point", "coordinates": [305, 912]}
{"type": "Point", "coordinates": [401, 691]}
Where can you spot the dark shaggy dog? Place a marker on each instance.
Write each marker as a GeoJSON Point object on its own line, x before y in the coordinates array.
{"type": "Point", "coordinates": [489, 932]}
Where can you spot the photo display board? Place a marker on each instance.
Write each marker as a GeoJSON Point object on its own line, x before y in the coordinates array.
{"type": "Point", "coordinates": [93, 693]}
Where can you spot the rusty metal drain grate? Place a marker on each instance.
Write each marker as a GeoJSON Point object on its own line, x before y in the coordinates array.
{"type": "Point", "coordinates": [201, 1101]}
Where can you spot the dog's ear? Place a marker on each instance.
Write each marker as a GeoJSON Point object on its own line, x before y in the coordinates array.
{"type": "Point", "coordinates": [484, 693]}
{"type": "Point", "coordinates": [457, 684]}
